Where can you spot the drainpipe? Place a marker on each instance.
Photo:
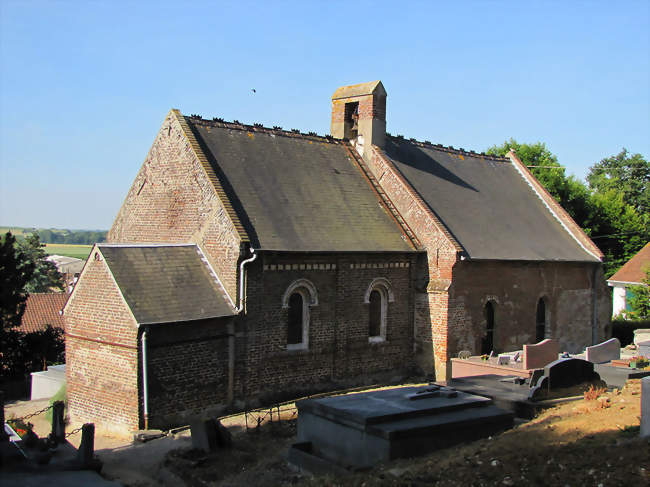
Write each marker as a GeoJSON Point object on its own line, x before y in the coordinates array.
{"type": "Point", "coordinates": [231, 362]}
{"type": "Point", "coordinates": [594, 296]}
{"type": "Point", "coordinates": [145, 392]}
{"type": "Point", "coordinates": [242, 279]}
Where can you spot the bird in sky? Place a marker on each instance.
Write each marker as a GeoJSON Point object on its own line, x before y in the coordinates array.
{"type": "Point", "coordinates": [253, 90]}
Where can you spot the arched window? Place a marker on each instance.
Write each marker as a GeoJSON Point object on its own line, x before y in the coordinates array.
{"type": "Point", "coordinates": [541, 329]}
{"type": "Point", "coordinates": [378, 295]}
{"type": "Point", "coordinates": [297, 299]}
{"type": "Point", "coordinates": [488, 340]}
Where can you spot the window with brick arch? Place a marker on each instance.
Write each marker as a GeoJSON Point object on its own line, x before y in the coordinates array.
{"type": "Point", "coordinates": [378, 296]}
{"type": "Point", "coordinates": [374, 326]}
{"type": "Point", "coordinates": [295, 318]}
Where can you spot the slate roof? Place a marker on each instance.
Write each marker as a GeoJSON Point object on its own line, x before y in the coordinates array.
{"type": "Point", "coordinates": [166, 283]}
{"type": "Point", "coordinates": [42, 309]}
{"type": "Point", "coordinates": [484, 202]}
{"type": "Point", "coordinates": [297, 192]}
{"type": "Point", "coordinates": [633, 271]}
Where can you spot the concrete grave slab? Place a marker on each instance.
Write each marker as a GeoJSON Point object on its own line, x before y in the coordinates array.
{"type": "Point", "coordinates": [540, 354]}
{"type": "Point", "coordinates": [604, 352]}
{"type": "Point", "coordinates": [358, 430]}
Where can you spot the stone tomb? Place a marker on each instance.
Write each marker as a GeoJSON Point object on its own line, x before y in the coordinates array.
{"type": "Point", "coordinates": [356, 431]}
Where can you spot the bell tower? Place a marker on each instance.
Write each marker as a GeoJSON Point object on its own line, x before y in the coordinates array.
{"type": "Point", "coordinates": [359, 114]}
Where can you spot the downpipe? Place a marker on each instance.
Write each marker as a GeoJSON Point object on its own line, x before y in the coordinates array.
{"type": "Point", "coordinates": [145, 386]}
{"type": "Point", "coordinates": [242, 280]}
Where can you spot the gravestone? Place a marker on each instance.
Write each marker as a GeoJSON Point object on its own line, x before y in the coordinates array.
{"type": "Point", "coordinates": [604, 352]}
{"type": "Point", "coordinates": [540, 354]}
{"type": "Point", "coordinates": [564, 372]}
{"type": "Point", "coordinates": [641, 335]}
{"type": "Point", "coordinates": [645, 407]}
{"type": "Point", "coordinates": [209, 434]}
{"type": "Point", "coordinates": [644, 349]}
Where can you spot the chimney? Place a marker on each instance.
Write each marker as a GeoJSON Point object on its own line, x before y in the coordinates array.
{"type": "Point", "coordinates": [359, 114]}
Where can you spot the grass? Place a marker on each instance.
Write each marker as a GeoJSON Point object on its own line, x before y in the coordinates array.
{"type": "Point", "coordinates": [69, 250]}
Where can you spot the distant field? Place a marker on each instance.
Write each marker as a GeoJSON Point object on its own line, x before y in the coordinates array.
{"type": "Point", "coordinates": [69, 250]}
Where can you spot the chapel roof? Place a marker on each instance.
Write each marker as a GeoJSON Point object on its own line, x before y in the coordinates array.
{"type": "Point", "coordinates": [484, 203]}
{"type": "Point", "coordinates": [633, 271]}
{"type": "Point", "coordinates": [297, 192]}
{"type": "Point", "coordinates": [166, 283]}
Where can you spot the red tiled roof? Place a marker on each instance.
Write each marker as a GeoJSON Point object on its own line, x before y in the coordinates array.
{"type": "Point", "coordinates": [42, 309]}
{"type": "Point", "coordinates": [634, 269]}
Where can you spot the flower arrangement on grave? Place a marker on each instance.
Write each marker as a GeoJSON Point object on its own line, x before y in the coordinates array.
{"type": "Point", "coordinates": [639, 363]}
{"type": "Point", "coordinates": [485, 357]}
{"type": "Point", "coordinates": [21, 428]}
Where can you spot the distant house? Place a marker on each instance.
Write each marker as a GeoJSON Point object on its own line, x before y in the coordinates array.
{"type": "Point", "coordinates": [69, 267]}
{"type": "Point", "coordinates": [631, 274]}
{"type": "Point", "coordinates": [43, 309]}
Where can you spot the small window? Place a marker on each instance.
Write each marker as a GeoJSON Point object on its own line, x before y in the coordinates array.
{"type": "Point", "coordinates": [487, 345]}
{"type": "Point", "coordinates": [374, 327]}
{"type": "Point", "coordinates": [297, 300]}
{"type": "Point", "coordinates": [377, 297]}
{"type": "Point", "coordinates": [540, 322]}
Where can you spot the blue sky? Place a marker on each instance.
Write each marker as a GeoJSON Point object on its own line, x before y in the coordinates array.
{"type": "Point", "coordinates": [84, 86]}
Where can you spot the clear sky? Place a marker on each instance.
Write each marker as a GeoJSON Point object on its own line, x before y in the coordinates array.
{"type": "Point", "coordinates": [85, 85]}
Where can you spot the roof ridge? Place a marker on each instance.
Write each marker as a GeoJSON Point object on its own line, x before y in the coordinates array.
{"type": "Point", "coordinates": [450, 149]}
{"type": "Point", "coordinates": [260, 128]}
{"type": "Point", "coordinates": [141, 245]}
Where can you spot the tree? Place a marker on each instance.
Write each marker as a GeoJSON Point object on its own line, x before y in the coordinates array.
{"type": "Point", "coordinates": [629, 174]}
{"type": "Point", "coordinates": [640, 299]}
{"type": "Point", "coordinates": [15, 273]}
{"type": "Point", "coordinates": [45, 276]}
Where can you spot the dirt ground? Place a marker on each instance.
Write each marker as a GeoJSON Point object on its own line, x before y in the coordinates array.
{"type": "Point", "coordinates": [586, 442]}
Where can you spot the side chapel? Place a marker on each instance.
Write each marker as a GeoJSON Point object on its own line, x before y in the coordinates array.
{"type": "Point", "coordinates": [250, 264]}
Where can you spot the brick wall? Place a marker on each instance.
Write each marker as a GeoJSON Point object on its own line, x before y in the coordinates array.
{"type": "Point", "coordinates": [187, 370]}
{"type": "Point", "coordinates": [101, 352]}
{"type": "Point", "coordinates": [516, 288]}
{"type": "Point", "coordinates": [339, 352]}
{"type": "Point", "coordinates": [172, 200]}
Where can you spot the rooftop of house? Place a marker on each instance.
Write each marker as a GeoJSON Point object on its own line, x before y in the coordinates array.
{"type": "Point", "coordinates": [42, 309]}
{"type": "Point", "coordinates": [166, 283]}
{"type": "Point", "coordinates": [297, 192]}
{"type": "Point", "coordinates": [633, 271]}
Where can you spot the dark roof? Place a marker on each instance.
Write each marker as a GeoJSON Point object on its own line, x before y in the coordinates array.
{"type": "Point", "coordinates": [484, 202]}
{"type": "Point", "coordinates": [42, 309]}
{"type": "Point", "coordinates": [297, 192]}
{"type": "Point", "coordinates": [634, 269]}
{"type": "Point", "coordinates": [166, 283]}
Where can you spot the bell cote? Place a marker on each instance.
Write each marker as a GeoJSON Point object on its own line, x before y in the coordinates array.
{"type": "Point", "coordinates": [359, 114]}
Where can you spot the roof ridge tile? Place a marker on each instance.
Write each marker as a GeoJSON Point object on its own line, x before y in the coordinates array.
{"type": "Point", "coordinates": [450, 149]}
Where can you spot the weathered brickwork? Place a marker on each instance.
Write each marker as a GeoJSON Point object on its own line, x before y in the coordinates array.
{"type": "Point", "coordinates": [339, 351]}
{"type": "Point", "coordinates": [101, 352]}
{"type": "Point", "coordinates": [515, 288]}
{"type": "Point", "coordinates": [172, 200]}
{"type": "Point", "coordinates": [187, 370]}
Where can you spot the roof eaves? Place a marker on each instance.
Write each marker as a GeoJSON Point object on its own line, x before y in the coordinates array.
{"type": "Point", "coordinates": [207, 167]}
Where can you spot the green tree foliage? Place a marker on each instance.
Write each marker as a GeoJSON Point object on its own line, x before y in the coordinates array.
{"type": "Point", "coordinates": [45, 276]}
{"type": "Point", "coordinates": [15, 273]}
{"type": "Point", "coordinates": [640, 300]}
{"type": "Point", "coordinates": [612, 210]}
{"type": "Point", "coordinates": [625, 173]}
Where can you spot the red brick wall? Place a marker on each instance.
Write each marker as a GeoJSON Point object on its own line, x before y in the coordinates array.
{"type": "Point", "coordinates": [187, 370]}
{"type": "Point", "coordinates": [101, 352]}
{"type": "Point", "coordinates": [173, 201]}
{"type": "Point", "coordinates": [339, 352]}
